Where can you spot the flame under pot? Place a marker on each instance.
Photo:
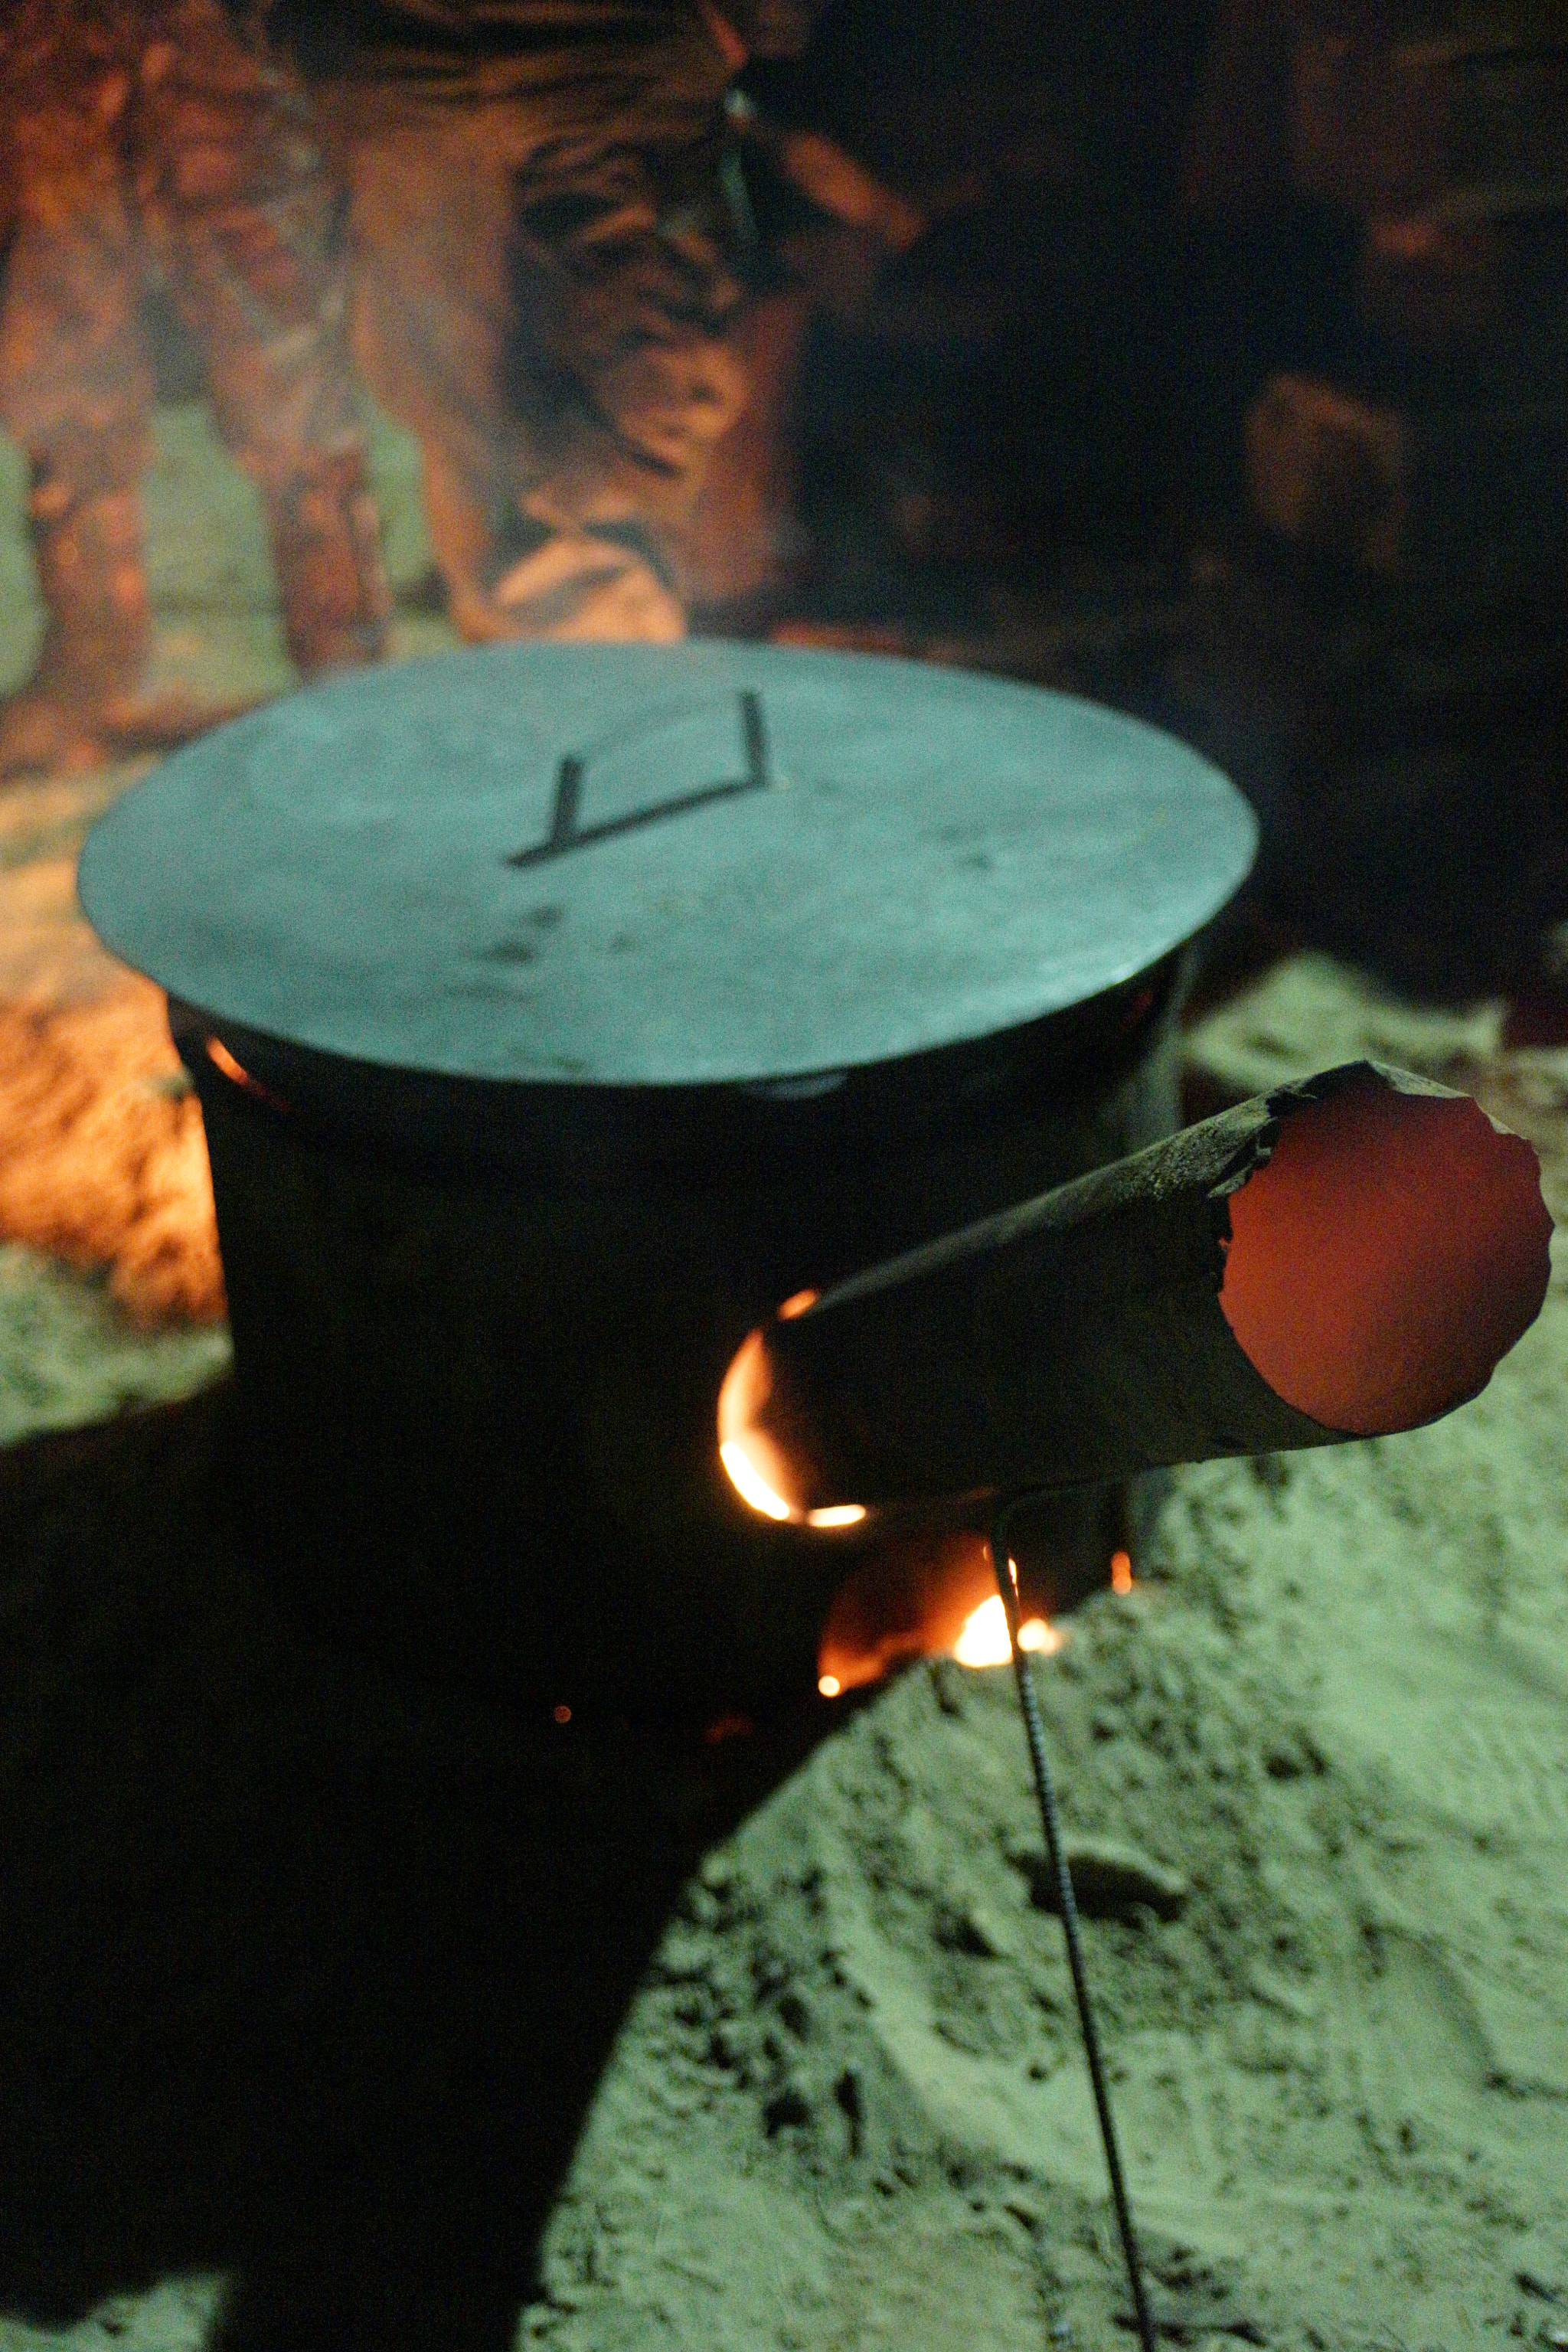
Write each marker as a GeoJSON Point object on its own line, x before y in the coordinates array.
{"type": "Point", "coordinates": [480, 1333]}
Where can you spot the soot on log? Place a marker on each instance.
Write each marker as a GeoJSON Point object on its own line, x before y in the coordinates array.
{"type": "Point", "coordinates": [1347, 1256]}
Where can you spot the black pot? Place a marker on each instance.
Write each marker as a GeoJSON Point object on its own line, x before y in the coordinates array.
{"type": "Point", "coordinates": [483, 1306]}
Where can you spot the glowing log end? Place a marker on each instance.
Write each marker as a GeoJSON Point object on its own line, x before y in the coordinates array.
{"type": "Point", "coordinates": [1384, 1258]}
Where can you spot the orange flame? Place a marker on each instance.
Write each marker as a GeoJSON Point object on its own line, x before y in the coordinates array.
{"type": "Point", "coordinates": [222, 1059]}
{"type": "Point", "coordinates": [756, 1467]}
{"type": "Point", "coordinates": [749, 1481]}
{"type": "Point", "coordinates": [983, 1640]}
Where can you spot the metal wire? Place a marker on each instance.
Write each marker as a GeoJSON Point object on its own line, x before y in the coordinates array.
{"type": "Point", "coordinates": [1006, 1568]}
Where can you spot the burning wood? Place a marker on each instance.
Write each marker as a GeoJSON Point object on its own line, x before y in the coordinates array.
{"type": "Point", "coordinates": [1343, 1258]}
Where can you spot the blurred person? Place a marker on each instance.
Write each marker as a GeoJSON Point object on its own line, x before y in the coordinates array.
{"type": "Point", "coordinates": [543, 292]}
{"type": "Point", "coordinates": [164, 138]}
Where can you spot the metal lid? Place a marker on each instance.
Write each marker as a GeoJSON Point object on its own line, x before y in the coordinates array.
{"type": "Point", "coordinates": [627, 866]}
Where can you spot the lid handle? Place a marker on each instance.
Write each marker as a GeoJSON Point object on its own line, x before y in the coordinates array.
{"type": "Point", "coordinates": [566, 834]}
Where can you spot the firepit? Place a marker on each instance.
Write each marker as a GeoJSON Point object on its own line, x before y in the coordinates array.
{"type": "Point", "coordinates": [556, 1014]}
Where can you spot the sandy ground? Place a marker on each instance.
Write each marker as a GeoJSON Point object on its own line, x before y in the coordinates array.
{"type": "Point", "coordinates": [1320, 1752]}
{"type": "Point", "coordinates": [1337, 1707]}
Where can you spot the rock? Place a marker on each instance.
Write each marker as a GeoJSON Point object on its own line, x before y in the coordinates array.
{"type": "Point", "coordinates": [718, 1875]}
{"type": "Point", "coordinates": [947, 1684]}
{"type": "Point", "coordinates": [1109, 1880]}
{"type": "Point", "coordinates": [972, 1928]}
{"type": "Point", "coordinates": [790, 2105]}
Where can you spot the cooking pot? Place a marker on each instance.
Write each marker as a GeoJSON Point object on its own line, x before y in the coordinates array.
{"type": "Point", "coordinates": [558, 1011]}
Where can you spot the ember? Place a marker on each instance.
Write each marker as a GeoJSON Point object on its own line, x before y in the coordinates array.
{"type": "Point", "coordinates": [222, 1059]}
{"type": "Point", "coordinates": [921, 1596]}
{"type": "Point", "coordinates": [982, 1642]}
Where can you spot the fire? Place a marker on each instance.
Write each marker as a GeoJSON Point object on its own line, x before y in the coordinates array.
{"type": "Point", "coordinates": [1121, 1571]}
{"type": "Point", "coordinates": [982, 1641]}
{"type": "Point", "coordinates": [749, 1481]}
{"type": "Point", "coordinates": [754, 1466]}
{"type": "Point", "coordinates": [222, 1059]}
{"type": "Point", "coordinates": [935, 1596]}
{"type": "Point", "coordinates": [754, 1488]}
{"type": "Point", "coordinates": [924, 1595]}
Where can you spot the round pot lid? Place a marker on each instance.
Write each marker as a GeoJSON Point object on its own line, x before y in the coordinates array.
{"type": "Point", "coordinates": [635, 866]}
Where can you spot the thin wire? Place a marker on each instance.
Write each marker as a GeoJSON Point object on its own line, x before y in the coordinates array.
{"type": "Point", "coordinates": [1007, 1569]}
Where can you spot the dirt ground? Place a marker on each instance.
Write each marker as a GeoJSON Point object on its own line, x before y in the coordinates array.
{"type": "Point", "coordinates": [1320, 1751]}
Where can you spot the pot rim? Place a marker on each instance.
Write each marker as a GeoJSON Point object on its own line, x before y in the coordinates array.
{"type": "Point", "coordinates": [708, 1133]}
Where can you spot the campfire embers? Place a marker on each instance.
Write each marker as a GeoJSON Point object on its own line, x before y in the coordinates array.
{"type": "Point", "coordinates": [915, 1601]}
{"type": "Point", "coordinates": [1347, 1257]}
